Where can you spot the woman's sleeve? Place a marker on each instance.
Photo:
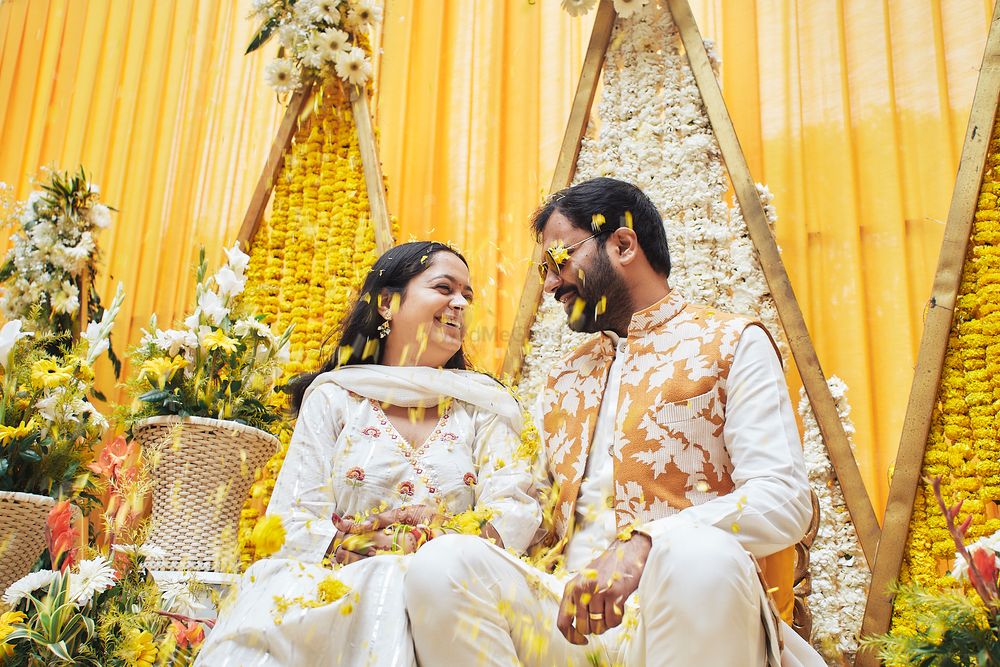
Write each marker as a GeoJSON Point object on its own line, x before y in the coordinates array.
{"type": "Point", "coordinates": [304, 496]}
{"type": "Point", "coordinates": [504, 481]}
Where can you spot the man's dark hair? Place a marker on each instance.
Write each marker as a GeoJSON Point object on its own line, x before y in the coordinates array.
{"type": "Point", "coordinates": [610, 198]}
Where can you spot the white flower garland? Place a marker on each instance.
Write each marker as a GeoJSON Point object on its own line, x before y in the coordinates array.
{"type": "Point", "coordinates": [654, 132]}
{"type": "Point", "coordinates": [840, 574]}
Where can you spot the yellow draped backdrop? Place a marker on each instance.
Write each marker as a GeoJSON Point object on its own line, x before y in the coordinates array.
{"type": "Point", "coordinates": [852, 112]}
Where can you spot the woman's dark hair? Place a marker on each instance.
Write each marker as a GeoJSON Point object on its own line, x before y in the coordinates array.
{"type": "Point", "coordinates": [611, 198]}
{"type": "Point", "coordinates": [359, 341]}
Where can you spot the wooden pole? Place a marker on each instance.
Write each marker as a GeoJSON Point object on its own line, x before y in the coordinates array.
{"type": "Point", "coordinates": [822, 401]}
{"type": "Point", "coordinates": [579, 116]}
{"type": "Point", "coordinates": [272, 167]}
{"type": "Point", "coordinates": [933, 344]}
{"type": "Point", "coordinates": [374, 182]}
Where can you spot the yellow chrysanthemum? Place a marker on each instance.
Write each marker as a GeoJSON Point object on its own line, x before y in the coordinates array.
{"type": "Point", "coordinates": [217, 340]}
{"type": "Point", "coordinates": [559, 253]}
{"type": "Point", "coordinates": [268, 536]}
{"type": "Point", "coordinates": [139, 649]}
{"type": "Point", "coordinates": [48, 374]}
{"type": "Point", "coordinates": [9, 433]}
{"type": "Point", "coordinates": [159, 370]}
{"type": "Point", "coordinates": [7, 621]}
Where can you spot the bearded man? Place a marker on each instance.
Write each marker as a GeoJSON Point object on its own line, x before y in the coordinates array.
{"type": "Point", "coordinates": [676, 466]}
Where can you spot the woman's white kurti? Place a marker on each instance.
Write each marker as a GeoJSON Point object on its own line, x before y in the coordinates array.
{"type": "Point", "coordinates": [345, 457]}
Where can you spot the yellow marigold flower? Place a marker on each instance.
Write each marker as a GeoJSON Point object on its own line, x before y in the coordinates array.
{"type": "Point", "coordinates": [218, 340]}
{"type": "Point", "coordinates": [268, 536]}
{"type": "Point", "coordinates": [139, 649]}
{"type": "Point", "coordinates": [9, 433]}
{"type": "Point", "coordinates": [48, 374]}
{"type": "Point", "coordinates": [332, 589]}
{"type": "Point", "coordinates": [559, 253]}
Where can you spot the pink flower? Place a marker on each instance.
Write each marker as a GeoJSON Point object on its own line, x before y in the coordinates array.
{"type": "Point", "coordinates": [187, 634]}
{"type": "Point", "coordinates": [985, 561]}
{"type": "Point", "coordinates": [116, 455]}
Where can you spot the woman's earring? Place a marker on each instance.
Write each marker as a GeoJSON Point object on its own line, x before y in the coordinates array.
{"type": "Point", "coordinates": [384, 329]}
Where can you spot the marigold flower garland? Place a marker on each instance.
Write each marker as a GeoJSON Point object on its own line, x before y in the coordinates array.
{"type": "Point", "coordinates": [309, 258]}
{"type": "Point", "coordinates": [963, 446]}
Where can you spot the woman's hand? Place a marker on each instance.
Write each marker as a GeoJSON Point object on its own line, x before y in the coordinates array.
{"type": "Point", "coordinates": [358, 546]}
{"type": "Point", "coordinates": [411, 515]}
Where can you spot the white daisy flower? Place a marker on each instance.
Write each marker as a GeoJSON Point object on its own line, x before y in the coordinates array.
{"type": "Point", "coordinates": [281, 75]}
{"type": "Point", "coordinates": [178, 598]}
{"type": "Point", "coordinates": [326, 10]}
{"type": "Point", "coordinates": [626, 8]}
{"type": "Point", "coordinates": [91, 577]}
{"type": "Point", "coordinates": [578, 7]}
{"type": "Point", "coordinates": [363, 13]}
{"type": "Point", "coordinates": [66, 298]}
{"type": "Point", "coordinates": [27, 584]}
{"type": "Point", "coordinates": [288, 35]}
{"type": "Point", "coordinates": [312, 55]}
{"type": "Point", "coordinates": [353, 66]}
{"type": "Point", "coordinates": [335, 40]}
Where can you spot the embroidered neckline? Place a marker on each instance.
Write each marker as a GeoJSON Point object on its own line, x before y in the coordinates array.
{"type": "Point", "coordinates": [657, 315]}
{"type": "Point", "coordinates": [410, 453]}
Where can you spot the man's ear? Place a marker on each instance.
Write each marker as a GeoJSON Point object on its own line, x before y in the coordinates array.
{"type": "Point", "coordinates": [627, 245]}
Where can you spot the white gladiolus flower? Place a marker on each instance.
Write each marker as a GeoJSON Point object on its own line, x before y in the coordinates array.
{"type": "Point", "coordinates": [353, 66]}
{"type": "Point", "coordinates": [99, 215]}
{"type": "Point", "coordinates": [281, 75]}
{"type": "Point", "coordinates": [173, 341]}
{"type": "Point", "coordinates": [26, 585]}
{"type": "Point", "coordinates": [236, 259]}
{"type": "Point", "coordinates": [578, 7]}
{"type": "Point", "coordinates": [229, 283]}
{"type": "Point", "coordinates": [92, 576]}
{"type": "Point", "coordinates": [9, 335]}
{"type": "Point", "coordinates": [626, 8]}
{"type": "Point", "coordinates": [213, 307]}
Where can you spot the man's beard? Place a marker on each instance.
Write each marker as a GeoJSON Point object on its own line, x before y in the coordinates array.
{"type": "Point", "coordinates": [600, 280]}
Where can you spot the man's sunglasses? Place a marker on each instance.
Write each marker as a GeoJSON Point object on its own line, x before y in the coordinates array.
{"type": "Point", "coordinates": [553, 258]}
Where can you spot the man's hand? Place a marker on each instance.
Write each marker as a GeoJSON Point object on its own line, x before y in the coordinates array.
{"type": "Point", "coordinates": [594, 601]}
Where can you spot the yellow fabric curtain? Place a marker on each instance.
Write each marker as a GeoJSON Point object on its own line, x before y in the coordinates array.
{"type": "Point", "coordinates": [472, 104]}
{"type": "Point", "coordinates": [157, 101]}
{"type": "Point", "coordinates": [852, 112]}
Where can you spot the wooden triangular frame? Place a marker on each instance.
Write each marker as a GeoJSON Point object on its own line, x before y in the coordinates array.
{"type": "Point", "coordinates": [822, 401]}
{"type": "Point", "coordinates": [298, 110]}
{"type": "Point", "coordinates": [934, 343]}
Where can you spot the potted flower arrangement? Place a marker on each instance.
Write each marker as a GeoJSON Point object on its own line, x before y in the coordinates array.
{"type": "Point", "coordinates": [47, 275]}
{"type": "Point", "coordinates": [48, 430]}
{"type": "Point", "coordinates": [98, 607]}
{"type": "Point", "coordinates": [953, 627]}
{"type": "Point", "coordinates": [203, 410]}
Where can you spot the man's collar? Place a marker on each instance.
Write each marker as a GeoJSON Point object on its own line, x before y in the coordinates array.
{"type": "Point", "coordinates": [657, 315]}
